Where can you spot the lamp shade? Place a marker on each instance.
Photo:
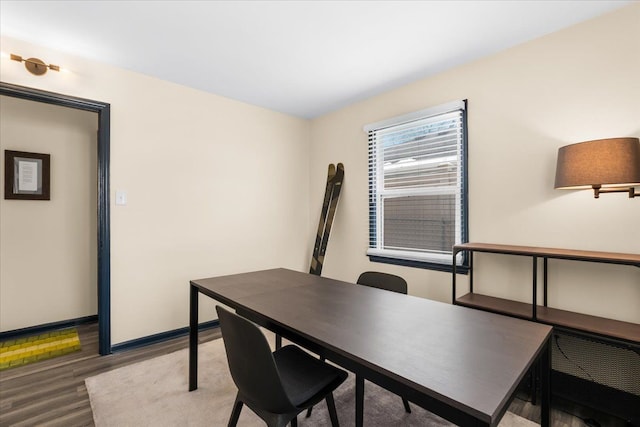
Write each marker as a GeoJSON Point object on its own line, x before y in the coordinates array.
{"type": "Point", "coordinates": [613, 161]}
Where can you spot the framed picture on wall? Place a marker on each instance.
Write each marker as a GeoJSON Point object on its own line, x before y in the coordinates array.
{"type": "Point", "coordinates": [26, 175]}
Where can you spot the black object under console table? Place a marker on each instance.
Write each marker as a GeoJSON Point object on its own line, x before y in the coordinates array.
{"type": "Point", "coordinates": [610, 347]}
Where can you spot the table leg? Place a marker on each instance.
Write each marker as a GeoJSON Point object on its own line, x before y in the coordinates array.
{"type": "Point", "coordinates": [359, 401]}
{"type": "Point", "coordinates": [534, 383]}
{"type": "Point", "coordinates": [278, 342]}
{"type": "Point", "coordinates": [193, 338]}
{"type": "Point", "coordinates": [544, 368]}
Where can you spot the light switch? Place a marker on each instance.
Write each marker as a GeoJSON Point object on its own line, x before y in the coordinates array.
{"type": "Point", "coordinates": [121, 197]}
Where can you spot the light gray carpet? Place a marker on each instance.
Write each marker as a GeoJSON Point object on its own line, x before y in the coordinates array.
{"type": "Point", "coordinates": [154, 393]}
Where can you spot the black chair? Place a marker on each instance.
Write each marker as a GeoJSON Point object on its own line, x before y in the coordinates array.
{"type": "Point", "coordinates": [388, 282]}
{"type": "Point", "coordinates": [276, 386]}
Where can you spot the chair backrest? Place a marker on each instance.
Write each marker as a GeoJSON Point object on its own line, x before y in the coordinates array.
{"type": "Point", "coordinates": [251, 363]}
{"type": "Point", "coordinates": [386, 281]}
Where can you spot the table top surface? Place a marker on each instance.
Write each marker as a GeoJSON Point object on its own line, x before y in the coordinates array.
{"type": "Point", "coordinates": [469, 359]}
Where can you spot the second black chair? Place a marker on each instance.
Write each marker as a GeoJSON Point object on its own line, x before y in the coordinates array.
{"type": "Point", "coordinates": [276, 386]}
{"type": "Point", "coordinates": [388, 282]}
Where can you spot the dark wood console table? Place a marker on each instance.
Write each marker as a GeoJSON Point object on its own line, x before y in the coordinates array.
{"type": "Point", "coordinates": [608, 328]}
{"type": "Point", "coordinates": [609, 332]}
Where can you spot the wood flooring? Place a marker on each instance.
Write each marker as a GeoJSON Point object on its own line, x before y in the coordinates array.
{"type": "Point", "coordinates": [52, 392]}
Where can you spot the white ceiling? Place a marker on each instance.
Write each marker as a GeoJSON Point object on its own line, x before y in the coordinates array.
{"type": "Point", "coordinates": [304, 58]}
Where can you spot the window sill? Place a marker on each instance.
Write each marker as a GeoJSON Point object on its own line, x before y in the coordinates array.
{"type": "Point", "coordinates": [460, 269]}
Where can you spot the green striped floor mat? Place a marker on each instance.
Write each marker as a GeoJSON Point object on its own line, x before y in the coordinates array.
{"type": "Point", "coordinates": [22, 351]}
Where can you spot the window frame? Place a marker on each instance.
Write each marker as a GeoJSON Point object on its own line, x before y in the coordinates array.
{"type": "Point", "coordinates": [404, 258]}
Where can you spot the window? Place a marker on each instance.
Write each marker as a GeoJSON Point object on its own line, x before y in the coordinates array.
{"type": "Point", "coordinates": [417, 186]}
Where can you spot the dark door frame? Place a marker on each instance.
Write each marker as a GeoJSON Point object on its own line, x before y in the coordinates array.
{"type": "Point", "coordinates": [104, 243]}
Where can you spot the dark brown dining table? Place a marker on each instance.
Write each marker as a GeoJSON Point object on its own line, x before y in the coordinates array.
{"type": "Point", "coordinates": [459, 363]}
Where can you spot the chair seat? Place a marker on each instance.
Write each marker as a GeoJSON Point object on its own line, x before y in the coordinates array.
{"type": "Point", "coordinates": [303, 376]}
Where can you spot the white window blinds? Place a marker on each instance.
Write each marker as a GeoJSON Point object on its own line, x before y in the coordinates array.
{"type": "Point", "coordinates": [416, 178]}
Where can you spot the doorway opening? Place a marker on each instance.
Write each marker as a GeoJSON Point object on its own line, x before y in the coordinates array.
{"type": "Point", "coordinates": [103, 151]}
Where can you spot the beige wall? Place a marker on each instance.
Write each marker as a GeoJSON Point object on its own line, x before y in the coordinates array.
{"type": "Point", "coordinates": [523, 104]}
{"type": "Point", "coordinates": [214, 186]}
{"type": "Point", "coordinates": [48, 268]}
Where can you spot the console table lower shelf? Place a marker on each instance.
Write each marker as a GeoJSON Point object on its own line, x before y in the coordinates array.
{"type": "Point", "coordinates": [593, 336]}
{"type": "Point", "coordinates": [604, 327]}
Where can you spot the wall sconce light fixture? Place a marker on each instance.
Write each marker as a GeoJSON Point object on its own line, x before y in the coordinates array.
{"type": "Point", "coordinates": [606, 165]}
{"type": "Point", "coordinates": [34, 65]}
